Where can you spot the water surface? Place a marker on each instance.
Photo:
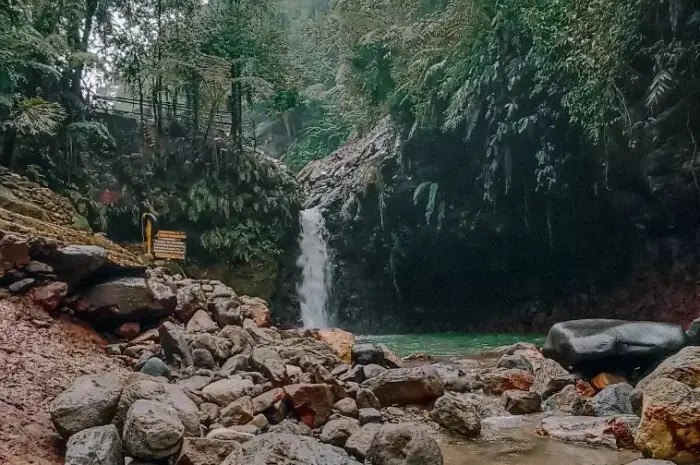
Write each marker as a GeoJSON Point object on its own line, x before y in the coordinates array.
{"type": "Point", "coordinates": [448, 344]}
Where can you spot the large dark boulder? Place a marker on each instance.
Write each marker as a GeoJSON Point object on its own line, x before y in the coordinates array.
{"type": "Point", "coordinates": [367, 354]}
{"type": "Point", "coordinates": [597, 345]}
{"type": "Point", "coordinates": [73, 264]}
{"type": "Point", "coordinates": [406, 386]}
{"type": "Point", "coordinates": [129, 299]}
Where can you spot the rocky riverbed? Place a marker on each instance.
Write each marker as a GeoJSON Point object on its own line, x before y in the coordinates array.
{"type": "Point", "coordinates": [194, 374]}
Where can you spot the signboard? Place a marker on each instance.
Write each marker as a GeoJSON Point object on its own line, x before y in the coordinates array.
{"type": "Point", "coordinates": [170, 245]}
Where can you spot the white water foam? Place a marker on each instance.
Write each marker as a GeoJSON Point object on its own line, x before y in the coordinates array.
{"type": "Point", "coordinates": [314, 261]}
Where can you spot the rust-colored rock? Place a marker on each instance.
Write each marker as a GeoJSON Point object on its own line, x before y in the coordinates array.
{"type": "Point", "coordinates": [341, 341]}
{"type": "Point", "coordinates": [313, 402]}
{"type": "Point", "coordinates": [584, 389]}
{"type": "Point", "coordinates": [50, 295]}
{"type": "Point", "coordinates": [499, 381]}
{"type": "Point", "coordinates": [670, 426]}
{"type": "Point", "coordinates": [14, 252]}
{"type": "Point", "coordinates": [129, 330]}
{"type": "Point", "coordinates": [603, 380]}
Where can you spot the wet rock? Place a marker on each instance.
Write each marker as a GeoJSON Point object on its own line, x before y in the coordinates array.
{"type": "Point", "coordinates": [99, 445]}
{"type": "Point", "coordinates": [550, 378]}
{"type": "Point", "coordinates": [366, 354]}
{"type": "Point", "coordinates": [74, 263]}
{"type": "Point", "coordinates": [35, 267]}
{"type": "Point", "coordinates": [255, 309]}
{"type": "Point", "coordinates": [360, 441]}
{"type": "Point", "coordinates": [590, 345]}
{"type": "Point", "coordinates": [238, 412]}
{"type": "Point", "coordinates": [203, 358]}
{"type": "Point", "coordinates": [205, 451]}
{"type": "Point", "coordinates": [650, 462]}
{"type": "Point", "coordinates": [405, 386]}
{"type": "Point", "coordinates": [515, 361]}
{"type": "Point", "coordinates": [456, 416]}
{"type": "Point", "coordinates": [90, 401]}
{"type": "Point", "coordinates": [603, 380]}
{"type": "Point", "coordinates": [275, 448]}
{"type": "Point", "coordinates": [313, 402]}
{"type": "Point", "coordinates": [403, 444]}
{"type": "Point", "coordinates": [391, 360]}
{"type": "Point", "coordinates": [201, 322]}
{"type": "Point", "coordinates": [521, 402]}
{"type": "Point", "coordinates": [372, 371]}
{"type": "Point", "coordinates": [131, 298]}
{"type": "Point", "coordinates": [670, 425]}
{"type": "Point", "coordinates": [21, 286]}
{"type": "Point", "coordinates": [693, 332]}
{"type": "Point", "coordinates": [568, 402]}
{"type": "Point", "coordinates": [346, 407]}
{"type": "Point", "coordinates": [614, 432]}
{"type": "Point", "coordinates": [498, 381]}
{"type": "Point", "coordinates": [174, 344]}
{"type": "Point", "coordinates": [152, 430]}
{"type": "Point", "coordinates": [267, 399]}
{"type": "Point", "coordinates": [155, 367]}
{"type": "Point", "coordinates": [341, 342]}
{"type": "Point", "coordinates": [613, 400]}
{"type": "Point", "coordinates": [49, 296]}
{"type": "Point", "coordinates": [337, 432]}
{"type": "Point", "coordinates": [143, 387]}
{"type": "Point", "coordinates": [225, 391]}
{"type": "Point", "coordinates": [683, 366]}
{"type": "Point", "coordinates": [291, 427]}
{"type": "Point", "coordinates": [269, 362]}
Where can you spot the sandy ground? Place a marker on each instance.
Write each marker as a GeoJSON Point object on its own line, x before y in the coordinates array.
{"type": "Point", "coordinates": [39, 357]}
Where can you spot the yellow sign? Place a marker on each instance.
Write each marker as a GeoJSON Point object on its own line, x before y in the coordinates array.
{"type": "Point", "coordinates": [170, 245]}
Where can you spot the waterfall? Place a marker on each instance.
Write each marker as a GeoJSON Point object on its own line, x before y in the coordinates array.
{"type": "Point", "coordinates": [315, 285]}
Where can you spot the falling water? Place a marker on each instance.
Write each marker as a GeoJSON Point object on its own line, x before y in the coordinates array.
{"type": "Point", "coordinates": [315, 267]}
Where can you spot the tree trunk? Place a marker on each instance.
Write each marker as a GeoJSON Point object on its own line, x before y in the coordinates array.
{"type": "Point", "coordinates": [8, 147]}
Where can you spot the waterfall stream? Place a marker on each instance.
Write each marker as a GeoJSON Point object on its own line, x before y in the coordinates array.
{"type": "Point", "coordinates": [314, 289]}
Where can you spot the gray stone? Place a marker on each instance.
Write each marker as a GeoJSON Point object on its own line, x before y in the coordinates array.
{"type": "Point", "coordinates": [269, 362]}
{"type": "Point", "coordinates": [406, 386]}
{"type": "Point", "coordinates": [291, 427]}
{"type": "Point", "coordinates": [206, 451]}
{"type": "Point", "coordinates": [346, 407]}
{"type": "Point", "coordinates": [152, 430]}
{"type": "Point", "coordinates": [366, 354]}
{"type": "Point", "coordinates": [277, 412]}
{"type": "Point", "coordinates": [613, 400]}
{"type": "Point", "coordinates": [614, 432]}
{"type": "Point", "coordinates": [267, 399]}
{"type": "Point", "coordinates": [90, 401]}
{"type": "Point", "coordinates": [240, 433]}
{"type": "Point", "coordinates": [568, 402]}
{"type": "Point", "coordinates": [287, 449]}
{"type": "Point", "coordinates": [146, 388]}
{"type": "Point", "coordinates": [366, 399]}
{"type": "Point", "coordinates": [683, 366]}
{"type": "Point", "coordinates": [239, 362]}
{"type": "Point", "coordinates": [600, 345]}
{"type": "Point", "coordinates": [693, 332]}
{"type": "Point", "coordinates": [360, 441]}
{"type": "Point", "coordinates": [131, 299]}
{"type": "Point", "coordinates": [201, 322]}
{"type": "Point", "coordinates": [38, 268]}
{"type": "Point", "coordinates": [74, 263]}
{"type": "Point", "coordinates": [203, 358]}
{"type": "Point", "coordinates": [174, 345]}
{"type": "Point", "coordinates": [337, 432]}
{"type": "Point", "coordinates": [372, 370]}
{"type": "Point", "coordinates": [515, 361]}
{"type": "Point", "coordinates": [403, 444]}
{"type": "Point", "coordinates": [155, 367]}
{"type": "Point", "coordinates": [547, 378]}
{"type": "Point", "coordinates": [99, 445]}
{"type": "Point", "coordinates": [260, 421]}
{"type": "Point", "coordinates": [21, 286]}
{"type": "Point", "coordinates": [521, 402]}
{"type": "Point", "coordinates": [650, 462]}
{"type": "Point", "coordinates": [225, 391]}
{"type": "Point", "coordinates": [218, 347]}
{"type": "Point", "coordinates": [369, 415]}
{"type": "Point", "coordinates": [456, 416]}
{"type": "Point", "coordinates": [238, 412]}
{"type": "Point", "coordinates": [462, 384]}
{"type": "Point", "coordinates": [485, 406]}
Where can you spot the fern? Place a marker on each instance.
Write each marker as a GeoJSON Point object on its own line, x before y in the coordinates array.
{"type": "Point", "coordinates": [662, 84]}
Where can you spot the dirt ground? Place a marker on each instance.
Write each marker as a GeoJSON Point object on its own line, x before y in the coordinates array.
{"type": "Point", "coordinates": [39, 357]}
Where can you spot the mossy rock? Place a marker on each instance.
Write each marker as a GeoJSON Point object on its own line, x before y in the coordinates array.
{"type": "Point", "coordinates": [257, 280]}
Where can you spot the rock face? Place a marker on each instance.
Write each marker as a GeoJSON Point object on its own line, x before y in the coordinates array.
{"type": "Point", "coordinates": [614, 432]}
{"type": "Point", "coordinates": [457, 417]}
{"type": "Point", "coordinates": [683, 366]}
{"type": "Point", "coordinates": [599, 343]}
{"type": "Point", "coordinates": [613, 400]}
{"type": "Point", "coordinates": [403, 444]}
{"type": "Point", "coordinates": [670, 426]}
{"type": "Point", "coordinates": [152, 430]}
{"type": "Point", "coordinates": [406, 386]}
{"type": "Point", "coordinates": [95, 446]}
{"type": "Point", "coordinates": [274, 449]}
{"type": "Point", "coordinates": [90, 401]}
